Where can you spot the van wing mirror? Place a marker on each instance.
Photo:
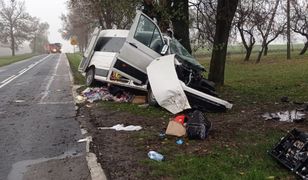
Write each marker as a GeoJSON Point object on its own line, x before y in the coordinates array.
{"type": "Point", "coordinates": [164, 49]}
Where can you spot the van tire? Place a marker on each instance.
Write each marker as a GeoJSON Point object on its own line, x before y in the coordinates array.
{"type": "Point", "coordinates": [151, 99]}
{"type": "Point", "coordinates": [90, 80]}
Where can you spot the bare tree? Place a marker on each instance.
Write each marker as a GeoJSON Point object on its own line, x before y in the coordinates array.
{"type": "Point", "coordinates": [245, 25]}
{"type": "Point", "coordinates": [268, 28]}
{"type": "Point", "coordinates": [107, 13]}
{"type": "Point", "coordinates": [15, 24]}
{"type": "Point", "coordinates": [75, 25]}
{"type": "Point", "coordinates": [203, 17]}
{"type": "Point", "coordinates": [39, 36]}
{"type": "Point", "coordinates": [225, 14]}
{"type": "Point", "coordinates": [300, 21]}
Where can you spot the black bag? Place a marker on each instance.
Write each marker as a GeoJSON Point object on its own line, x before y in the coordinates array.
{"type": "Point", "coordinates": [198, 126]}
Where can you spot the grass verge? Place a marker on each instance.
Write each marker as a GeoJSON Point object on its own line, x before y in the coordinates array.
{"type": "Point", "coordinates": [74, 60]}
{"type": "Point", "coordinates": [240, 153]}
{"type": "Point", "coordinates": [245, 161]}
{"type": "Point", "coordinates": [6, 60]}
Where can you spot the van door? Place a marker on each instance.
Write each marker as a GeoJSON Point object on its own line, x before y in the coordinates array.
{"type": "Point", "coordinates": [90, 50]}
{"type": "Point", "coordinates": [142, 46]}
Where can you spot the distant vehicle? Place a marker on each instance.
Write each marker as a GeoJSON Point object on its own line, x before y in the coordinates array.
{"type": "Point", "coordinates": [54, 48]}
{"type": "Point", "coordinates": [128, 58]}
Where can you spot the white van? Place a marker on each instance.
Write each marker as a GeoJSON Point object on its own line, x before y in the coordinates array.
{"type": "Point", "coordinates": [145, 59]}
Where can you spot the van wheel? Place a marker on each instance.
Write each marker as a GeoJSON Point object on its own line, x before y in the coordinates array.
{"type": "Point", "coordinates": [151, 99]}
{"type": "Point", "coordinates": [90, 77]}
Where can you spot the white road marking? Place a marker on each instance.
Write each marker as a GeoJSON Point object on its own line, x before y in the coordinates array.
{"type": "Point", "coordinates": [47, 91]}
{"type": "Point", "coordinates": [21, 71]}
{"type": "Point", "coordinates": [7, 81]}
{"type": "Point", "coordinates": [56, 103]}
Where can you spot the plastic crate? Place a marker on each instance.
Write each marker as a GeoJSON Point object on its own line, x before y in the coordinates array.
{"type": "Point", "coordinates": [292, 152]}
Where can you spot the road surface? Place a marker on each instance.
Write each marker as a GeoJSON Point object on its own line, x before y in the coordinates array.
{"type": "Point", "coordinates": [38, 131]}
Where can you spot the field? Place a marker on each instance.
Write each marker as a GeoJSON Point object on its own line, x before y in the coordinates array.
{"type": "Point", "coordinates": [238, 143]}
{"type": "Point", "coordinates": [6, 60]}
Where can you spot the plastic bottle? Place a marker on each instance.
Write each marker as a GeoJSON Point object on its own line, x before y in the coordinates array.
{"type": "Point", "coordinates": [155, 156]}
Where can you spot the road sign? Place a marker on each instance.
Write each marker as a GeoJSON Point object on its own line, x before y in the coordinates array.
{"type": "Point", "coordinates": [74, 40]}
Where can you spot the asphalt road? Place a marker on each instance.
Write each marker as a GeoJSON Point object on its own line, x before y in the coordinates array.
{"type": "Point", "coordinates": [38, 131]}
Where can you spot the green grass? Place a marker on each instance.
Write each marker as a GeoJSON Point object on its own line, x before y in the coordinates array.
{"type": "Point", "coordinates": [244, 161]}
{"type": "Point", "coordinates": [267, 81]}
{"type": "Point", "coordinates": [74, 60]}
{"type": "Point", "coordinates": [244, 155]}
{"type": "Point", "coordinates": [6, 60]}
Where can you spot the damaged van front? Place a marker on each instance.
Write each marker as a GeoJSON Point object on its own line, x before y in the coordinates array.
{"type": "Point", "coordinates": [150, 61]}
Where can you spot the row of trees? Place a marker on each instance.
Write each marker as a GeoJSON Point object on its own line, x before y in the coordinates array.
{"type": "Point", "coordinates": [254, 20]}
{"type": "Point", "coordinates": [18, 26]}
{"type": "Point", "coordinates": [200, 23]}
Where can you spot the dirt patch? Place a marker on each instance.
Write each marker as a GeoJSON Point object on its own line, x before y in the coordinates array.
{"type": "Point", "coordinates": [122, 154]}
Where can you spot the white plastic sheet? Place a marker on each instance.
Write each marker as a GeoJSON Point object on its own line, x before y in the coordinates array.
{"type": "Point", "coordinates": [121, 127]}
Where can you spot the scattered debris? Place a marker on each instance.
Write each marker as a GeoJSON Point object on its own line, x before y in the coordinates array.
{"type": "Point", "coordinates": [87, 139]}
{"type": "Point", "coordinates": [286, 116]}
{"type": "Point", "coordinates": [143, 105]}
{"type": "Point", "coordinates": [180, 118]}
{"type": "Point", "coordinates": [121, 127]}
{"type": "Point", "coordinates": [155, 156]}
{"type": "Point", "coordinates": [162, 135]}
{"type": "Point", "coordinates": [179, 141]}
{"type": "Point", "coordinates": [106, 94]}
{"type": "Point", "coordinates": [80, 99]}
{"type": "Point", "coordinates": [292, 152]}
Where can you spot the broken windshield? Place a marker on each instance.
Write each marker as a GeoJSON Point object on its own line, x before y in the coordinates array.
{"type": "Point", "coordinates": [177, 48]}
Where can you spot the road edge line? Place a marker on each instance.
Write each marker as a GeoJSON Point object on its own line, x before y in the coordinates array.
{"type": "Point", "coordinates": [95, 168]}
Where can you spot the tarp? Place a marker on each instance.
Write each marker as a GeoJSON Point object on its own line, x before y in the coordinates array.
{"type": "Point", "coordinates": [166, 86]}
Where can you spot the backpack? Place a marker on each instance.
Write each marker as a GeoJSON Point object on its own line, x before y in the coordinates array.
{"type": "Point", "coordinates": [198, 126]}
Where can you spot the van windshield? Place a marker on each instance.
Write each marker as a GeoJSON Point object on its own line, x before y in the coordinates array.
{"type": "Point", "coordinates": [109, 44]}
{"type": "Point", "coordinates": [177, 48]}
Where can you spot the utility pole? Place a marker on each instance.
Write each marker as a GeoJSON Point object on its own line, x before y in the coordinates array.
{"type": "Point", "coordinates": [288, 31]}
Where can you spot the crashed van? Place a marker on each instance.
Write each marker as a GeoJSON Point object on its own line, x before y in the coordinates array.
{"type": "Point", "coordinates": [145, 59]}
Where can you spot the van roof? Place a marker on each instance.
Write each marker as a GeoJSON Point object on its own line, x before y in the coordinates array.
{"type": "Point", "coordinates": [114, 33]}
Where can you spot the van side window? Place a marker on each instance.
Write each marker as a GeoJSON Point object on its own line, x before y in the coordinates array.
{"type": "Point", "coordinates": [148, 34]}
{"type": "Point", "coordinates": [109, 44]}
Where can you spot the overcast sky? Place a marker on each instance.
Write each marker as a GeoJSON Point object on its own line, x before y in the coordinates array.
{"type": "Point", "coordinates": [50, 11]}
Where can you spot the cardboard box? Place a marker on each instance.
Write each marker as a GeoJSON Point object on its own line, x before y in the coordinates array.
{"type": "Point", "coordinates": [175, 129]}
{"type": "Point", "coordinates": [139, 100]}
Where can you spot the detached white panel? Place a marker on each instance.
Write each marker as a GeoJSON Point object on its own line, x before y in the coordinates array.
{"type": "Point", "coordinates": [166, 86]}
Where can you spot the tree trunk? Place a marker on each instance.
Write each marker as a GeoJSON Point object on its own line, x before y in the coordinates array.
{"type": "Point", "coordinates": [248, 53]}
{"type": "Point", "coordinates": [265, 50]}
{"type": "Point", "coordinates": [288, 31]}
{"type": "Point", "coordinates": [264, 41]}
{"type": "Point", "coordinates": [304, 49]}
{"type": "Point", "coordinates": [12, 41]}
{"type": "Point", "coordinates": [181, 25]}
{"type": "Point", "coordinates": [34, 44]}
{"type": "Point", "coordinates": [260, 54]}
{"type": "Point", "coordinates": [225, 13]}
